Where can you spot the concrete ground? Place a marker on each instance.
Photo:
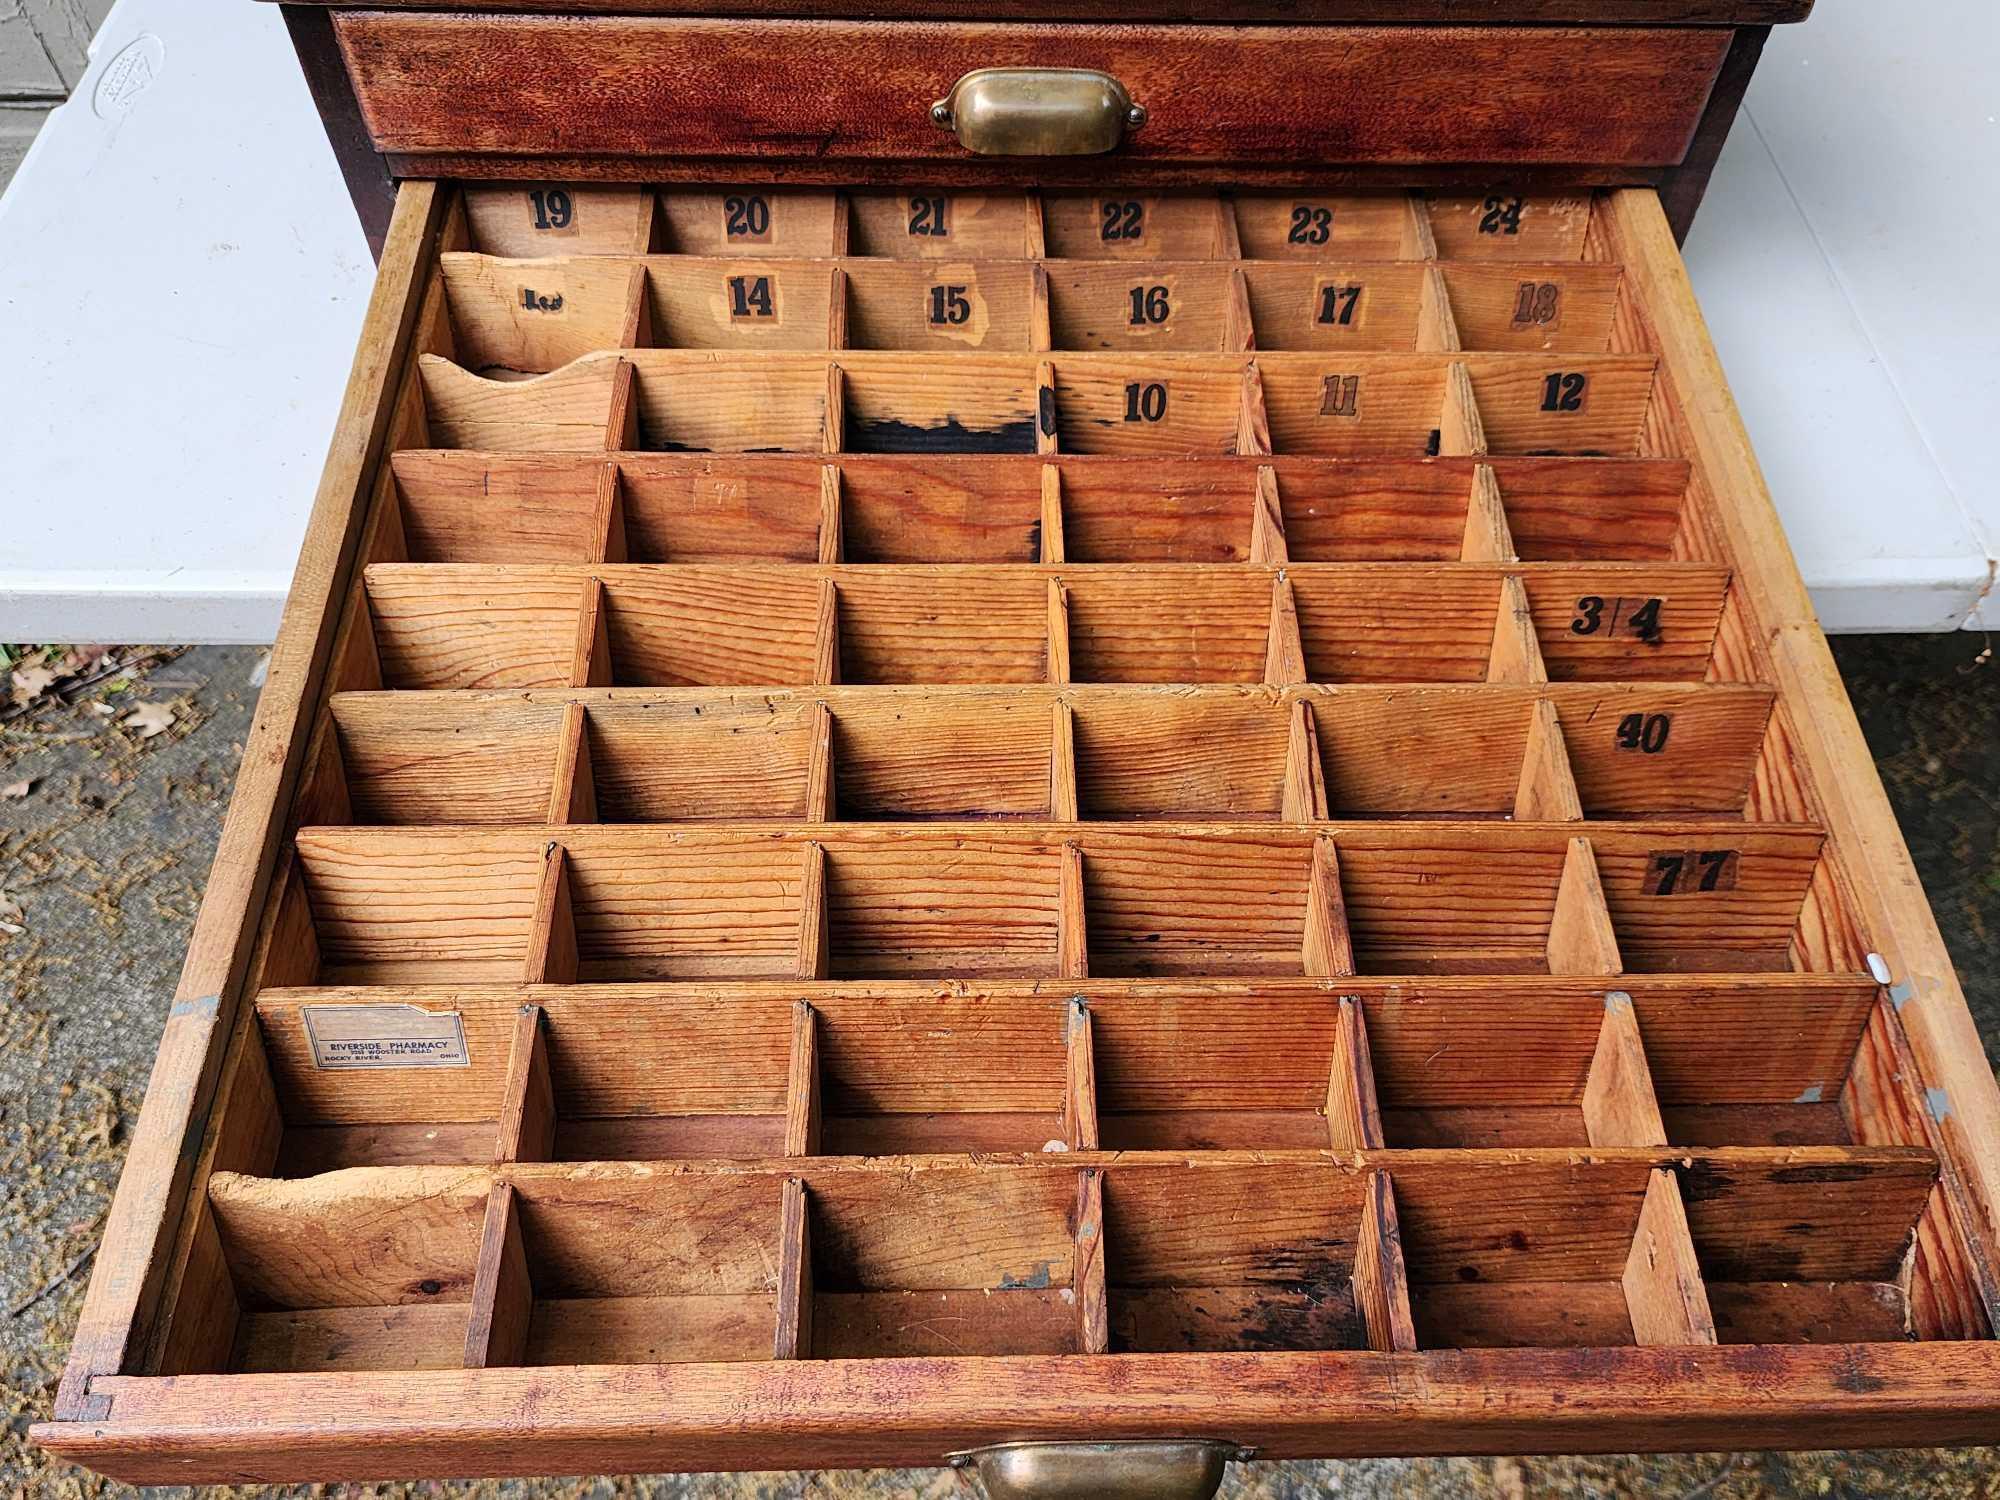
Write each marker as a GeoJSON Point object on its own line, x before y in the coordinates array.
{"type": "Point", "coordinates": [104, 851]}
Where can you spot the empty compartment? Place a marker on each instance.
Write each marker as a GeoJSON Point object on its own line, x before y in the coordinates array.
{"type": "Point", "coordinates": [1527, 306]}
{"type": "Point", "coordinates": [1382, 624]}
{"type": "Point", "coordinates": [915, 756]}
{"type": "Point", "coordinates": [558, 218]}
{"type": "Point", "coordinates": [1196, 903]}
{"type": "Point", "coordinates": [647, 1269]}
{"type": "Point", "coordinates": [511, 318]}
{"type": "Point", "coordinates": [940, 1073]}
{"type": "Point", "coordinates": [738, 304]}
{"type": "Point", "coordinates": [369, 1269]}
{"type": "Point", "coordinates": [1149, 404]}
{"type": "Point", "coordinates": [934, 223]}
{"type": "Point", "coordinates": [756, 220]}
{"type": "Point", "coordinates": [941, 906]}
{"type": "Point", "coordinates": [1252, 1258]}
{"type": "Point", "coordinates": [1174, 756]}
{"type": "Point", "coordinates": [725, 509]}
{"type": "Point", "coordinates": [940, 305]}
{"type": "Point", "coordinates": [1524, 1253]}
{"type": "Point", "coordinates": [1734, 1065]}
{"type": "Point", "coordinates": [489, 508]}
{"type": "Point", "coordinates": [1357, 405]}
{"type": "Point", "coordinates": [1810, 1245]}
{"type": "Point", "coordinates": [940, 510]}
{"type": "Point", "coordinates": [1561, 509]}
{"type": "Point", "coordinates": [1313, 226]}
{"type": "Point", "coordinates": [1168, 510]}
{"type": "Point", "coordinates": [1178, 307]}
{"type": "Point", "coordinates": [567, 410]}
{"type": "Point", "coordinates": [1331, 305]}
{"type": "Point", "coordinates": [706, 759]}
{"type": "Point", "coordinates": [376, 906]}
{"type": "Point", "coordinates": [1168, 625]}
{"type": "Point", "coordinates": [1509, 225]}
{"type": "Point", "coordinates": [409, 758]}
{"type": "Point", "coordinates": [709, 626]}
{"type": "Point", "coordinates": [466, 625]}
{"type": "Point", "coordinates": [943, 625]}
{"type": "Point", "coordinates": [1134, 226]}
{"type": "Point", "coordinates": [730, 401]}
{"type": "Point", "coordinates": [1206, 1072]}
{"type": "Point", "coordinates": [962, 403]}
{"type": "Point", "coordinates": [1373, 511]}
{"type": "Point", "coordinates": [944, 1262]}
{"type": "Point", "coordinates": [651, 904]}
{"type": "Point", "coordinates": [1402, 752]}
{"type": "Point", "coordinates": [1418, 903]}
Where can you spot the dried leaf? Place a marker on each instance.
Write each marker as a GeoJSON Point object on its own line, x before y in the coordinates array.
{"type": "Point", "coordinates": [102, 710]}
{"type": "Point", "coordinates": [149, 719]}
{"type": "Point", "coordinates": [13, 791]}
{"type": "Point", "coordinates": [31, 682]}
{"type": "Point", "coordinates": [10, 912]}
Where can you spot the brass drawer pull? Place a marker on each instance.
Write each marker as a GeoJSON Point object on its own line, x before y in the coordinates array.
{"type": "Point", "coordinates": [1170, 1469]}
{"type": "Point", "coordinates": [1038, 112]}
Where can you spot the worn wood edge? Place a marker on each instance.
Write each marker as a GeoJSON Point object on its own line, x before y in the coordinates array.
{"type": "Point", "coordinates": [912, 1412]}
{"type": "Point", "coordinates": [133, 1258]}
{"type": "Point", "coordinates": [1880, 878]}
{"type": "Point", "coordinates": [1342, 12]}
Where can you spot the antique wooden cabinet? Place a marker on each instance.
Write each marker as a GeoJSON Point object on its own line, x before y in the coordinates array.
{"type": "Point", "coordinates": [1171, 791]}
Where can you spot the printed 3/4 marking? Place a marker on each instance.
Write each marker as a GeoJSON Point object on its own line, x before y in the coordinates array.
{"type": "Point", "coordinates": [1690, 872]}
{"type": "Point", "coordinates": [1618, 616]}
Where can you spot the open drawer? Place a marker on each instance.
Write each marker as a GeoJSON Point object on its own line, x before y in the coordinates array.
{"type": "Point", "coordinates": [894, 820]}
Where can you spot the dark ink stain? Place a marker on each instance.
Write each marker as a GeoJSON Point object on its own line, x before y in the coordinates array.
{"type": "Point", "coordinates": [1046, 404]}
{"type": "Point", "coordinates": [1433, 444]}
{"type": "Point", "coordinates": [1516, 1240]}
{"type": "Point", "coordinates": [1850, 1377]}
{"type": "Point", "coordinates": [430, 1288]}
{"type": "Point", "coordinates": [1468, 1273]}
{"type": "Point", "coordinates": [887, 435]}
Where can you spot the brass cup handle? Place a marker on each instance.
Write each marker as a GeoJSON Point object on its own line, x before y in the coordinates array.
{"type": "Point", "coordinates": [1169, 1469]}
{"type": "Point", "coordinates": [1038, 112]}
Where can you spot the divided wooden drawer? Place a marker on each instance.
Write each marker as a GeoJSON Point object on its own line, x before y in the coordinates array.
{"type": "Point", "coordinates": [891, 820]}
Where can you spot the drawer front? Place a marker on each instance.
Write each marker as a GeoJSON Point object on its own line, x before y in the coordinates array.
{"type": "Point", "coordinates": [537, 85]}
{"type": "Point", "coordinates": [894, 821]}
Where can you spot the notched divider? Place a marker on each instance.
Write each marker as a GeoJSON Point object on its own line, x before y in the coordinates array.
{"type": "Point", "coordinates": [819, 767]}
{"type": "Point", "coordinates": [1548, 791]}
{"type": "Point", "coordinates": [573, 789]}
{"type": "Point", "coordinates": [1517, 649]}
{"type": "Point", "coordinates": [1267, 521]}
{"type": "Point", "coordinates": [552, 946]}
{"type": "Point", "coordinates": [607, 544]}
{"type": "Point", "coordinates": [1284, 648]}
{"type": "Point", "coordinates": [621, 423]}
{"type": "Point", "coordinates": [590, 660]}
{"type": "Point", "coordinates": [1304, 797]}
{"type": "Point", "coordinates": [1581, 937]}
{"type": "Point", "coordinates": [1353, 1112]}
{"type": "Point", "coordinates": [1062, 763]}
{"type": "Point", "coordinates": [1239, 330]}
{"type": "Point", "coordinates": [793, 1334]}
{"type": "Point", "coordinates": [831, 532]}
{"type": "Point", "coordinates": [803, 1112]}
{"type": "Point", "coordinates": [1093, 1303]}
{"type": "Point", "coordinates": [1041, 338]}
{"type": "Point", "coordinates": [813, 929]}
{"type": "Point", "coordinates": [503, 1292]}
{"type": "Point", "coordinates": [322, 800]}
{"type": "Point", "coordinates": [1034, 232]}
{"type": "Point", "coordinates": [1461, 432]}
{"type": "Point", "coordinates": [1058, 633]}
{"type": "Point", "coordinates": [1381, 1285]}
{"type": "Point", "coordinates": [1253, 422]}
{"type": "Point", "coordinates": [528, 1105]}
{"type": "Point", "coordinates": [1050, 543]}
{"type": "Point", "coordinates": [1328, 946]}
{"type": "Point", "coordinates": [826, 635]}
{"type": "Point", "coordinates": [833, 431]}
{"type": "Point", "coordinates": [635, 323]}
{"type": "Point", "coordinates": [1080, 1077]}
{"type": "Point", "coordinates": [1488, 538]}
{"type": "Point", "coordinates": [1072, 934]}
{"type": "Point", "coordinates": [836, 307]}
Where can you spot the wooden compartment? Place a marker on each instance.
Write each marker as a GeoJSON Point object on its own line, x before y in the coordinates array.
{"type": "Point", "coordinates": [953, 775]}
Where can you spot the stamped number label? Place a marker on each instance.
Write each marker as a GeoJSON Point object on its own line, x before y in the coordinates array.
{"type": "Point", "coordinates": [1538, 304]}
{"type": "Point", "coordinates": [927, 218]}
{"type": "Point", "coordinates": [1145, 401]}
{"type": "Point", "coordinates": [751, 300]}
{"type": "Point", "coordinates": [1340, 396]}
{"type": "Point", "coordinates": [1121, 219]}
{"type": "Point", "coordinates": [1565, 391]}
{"type": "Point", "coordinates": [1689, 872]}
{"type": "Point", "coordinates": [551, 210]}
{"type": "Point", "coordinates": [1617, 616]}
{"type": "Point", "coordinates": [1334, 305]}
{"type": "Point", "coordinates": [746, 219]}
{"type": "Point", "coordinates": [1150, 307]}
{"type": "Point", "coordinates": [1312, 224]}
{"type": "Point", "coordinates": [1645, 733]}
{"type": "Point", "coordinates": [1502, 215]}
{"type": "Point", "coordinates": [542, 302]}
{"type": "Point", "coordinates": [948, 305]}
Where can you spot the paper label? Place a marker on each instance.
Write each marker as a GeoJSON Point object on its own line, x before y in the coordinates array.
{"type": "Point", "coordinates": [385, 1036]}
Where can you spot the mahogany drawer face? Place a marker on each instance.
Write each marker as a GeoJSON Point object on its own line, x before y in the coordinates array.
{"type": "Point", "coordinates": [469, 86]}
{"type": "Point", "coordinates": [1123, 793]}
